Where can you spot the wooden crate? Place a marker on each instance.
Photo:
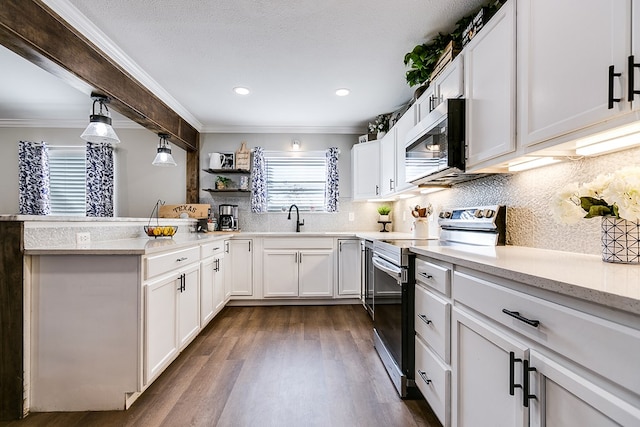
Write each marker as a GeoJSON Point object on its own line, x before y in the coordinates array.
{"type": "Point", "coordinates": [450, 52]}
{"type": "Point", "coordinates": [199, 211]}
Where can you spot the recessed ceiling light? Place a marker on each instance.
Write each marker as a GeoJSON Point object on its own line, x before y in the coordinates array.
{"type": "Point", "coordinates": [342, 92]}
{"type": "Point", "coordinates": [241, 90]}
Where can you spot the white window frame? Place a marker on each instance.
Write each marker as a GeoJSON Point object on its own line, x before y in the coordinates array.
{"type": "Point", "coordinates": [310, 179]}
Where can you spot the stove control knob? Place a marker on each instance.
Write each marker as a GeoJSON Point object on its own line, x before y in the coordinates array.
{"type": "Point", "coordinates": [445, 214]}
{"type": "Point", "coordinates": [478, 213]}
{"type": "Point", "coordinates": [488, 213]}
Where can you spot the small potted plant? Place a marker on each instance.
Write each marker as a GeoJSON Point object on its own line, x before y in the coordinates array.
{"type": "Point", "coordinates": [222, 182]}
{"type": "Point", "coordinates": [384, 211]}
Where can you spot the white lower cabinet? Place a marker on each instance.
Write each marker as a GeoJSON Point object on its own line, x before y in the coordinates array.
{"type": "Point", "coordinates": [212, 292]}
{"type": "Point", "coordinates": [520, 360]}
{"type": "Point", "coordinates": [297, 267]}
{"type": "Point", "coordinates": [432, 322]}
{"type": "Point", "coordinates": [172, 318]}
{"type": "Point", "coordinates": [298, 273]}
{"type": "Point", "coordinates": [481, 375]}
{"type": "Point", "coordinates": [238, 267]}
{"type": "Point", "coordinates": [565, 398]}
{"type": "Point", "coordinates": [349, 269]}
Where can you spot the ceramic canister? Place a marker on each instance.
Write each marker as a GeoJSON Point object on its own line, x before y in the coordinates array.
{"type": "Point", "coordinates": [420, 228]}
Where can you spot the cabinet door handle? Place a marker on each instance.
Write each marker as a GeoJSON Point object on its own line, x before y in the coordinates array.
{"type": "Point", "coordinates": [226, 247]}
{"type": "Point", "coordinates": [425, 275]}
{"type": "Point", "coordinates": [182, 285]}
{"type": "Point", "coordinates": [423, 375]}
{"type": "Point", "coordinates": [612, 75]}
{"type": "Point", "coordinates": [391, 186]}
{"type": "Point", "coordinates": [516, 315]}
{"type": "Point", "coordinates": [184, 258]}
{"type": "Point", "coordinates": [512, 374]}
{"type": "Point", "coordinates": [632, 89]}
{"type": "Point", "coordinates": [300, 257]}
{"type": "Point", "coordinates": [526, 384]}
{"type": "Point", "coordinates": [295, 258]}
{"type": "Point", "coordinates": [340, 247]}
{"type": "Point", "coordinates": [377, 190]}
{"type": "Point", "coordinates": [424, 318]}
{"type": "Point", "coordinates": [184, 282]}
{"type": "Point", "coordinates": [249, 245]}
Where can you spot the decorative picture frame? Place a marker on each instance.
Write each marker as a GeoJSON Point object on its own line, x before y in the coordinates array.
{"type": "Point", "coordinates": [228, 160]}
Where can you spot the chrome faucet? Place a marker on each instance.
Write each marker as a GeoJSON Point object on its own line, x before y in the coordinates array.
{"type": "Point", "coordinates": [298, 222]}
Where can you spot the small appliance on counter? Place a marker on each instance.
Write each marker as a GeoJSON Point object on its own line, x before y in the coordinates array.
{"type": "Point", "coordinates": [228, 217]}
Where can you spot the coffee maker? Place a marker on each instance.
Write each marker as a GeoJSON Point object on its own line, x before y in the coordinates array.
{"type": "Point", "coordinates": [228, 217]}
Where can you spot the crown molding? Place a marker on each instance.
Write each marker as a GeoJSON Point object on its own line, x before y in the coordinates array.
{"type": "Point", "coordinates": [341, 130]}
{"type": "Point", "coordinates": [88, 29]}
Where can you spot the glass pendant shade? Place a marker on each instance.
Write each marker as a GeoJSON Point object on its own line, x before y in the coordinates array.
{"type": "Point", "coordinates": [99, 130]}
{"type": "Point", "coordinates": [164, 157]}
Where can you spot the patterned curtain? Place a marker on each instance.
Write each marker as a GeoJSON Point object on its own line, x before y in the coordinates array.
{"type": "Point", "coordinates": [99, 180]}
{"type": "Point", "coordinates": [332, 191]}
{"type": "Point", "coordinates": [259, 183]}
{"type": "Point", "coordinates": [33, 164]}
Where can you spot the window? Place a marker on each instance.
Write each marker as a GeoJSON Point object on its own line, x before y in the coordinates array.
{"type": "Point", "coordinates": [298, 180]}
{"type": "Point", "coordinates": [67, 180]}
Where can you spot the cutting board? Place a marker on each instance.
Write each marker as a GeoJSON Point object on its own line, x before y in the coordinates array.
{"type": "Point", "coordinates": [198, 211]}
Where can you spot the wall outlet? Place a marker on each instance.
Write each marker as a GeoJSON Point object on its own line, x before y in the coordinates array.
{"type": "Point", "coordinates": [352, 216]}
{"type": "Point", "coordinates": [83, 238]}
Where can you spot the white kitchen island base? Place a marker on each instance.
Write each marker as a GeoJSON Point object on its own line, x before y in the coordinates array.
{"type": "Point", "coordinates": [86, 332]}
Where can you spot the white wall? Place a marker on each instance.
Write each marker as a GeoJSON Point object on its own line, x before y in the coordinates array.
{"type": "Point", "coordinates": [138, 184]}
{"type": "Point", "coordinates": [364, 214]}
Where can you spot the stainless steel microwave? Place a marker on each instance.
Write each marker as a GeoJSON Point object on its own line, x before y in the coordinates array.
{"type": "Point", "coordinates": [435, 147]}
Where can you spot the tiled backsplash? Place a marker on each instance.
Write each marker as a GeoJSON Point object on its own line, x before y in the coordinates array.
{"type": "Point", "coordinates": [527, 196]}
{"type": "Point", "coordinates": [365, 216]}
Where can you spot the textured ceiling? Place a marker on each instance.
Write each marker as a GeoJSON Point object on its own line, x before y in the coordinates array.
{"type": "Point", "coordinates": [292, 54]}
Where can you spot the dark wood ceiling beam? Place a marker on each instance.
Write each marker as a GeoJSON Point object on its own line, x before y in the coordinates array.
{"type": "Point", "coordinates": [33, 31]}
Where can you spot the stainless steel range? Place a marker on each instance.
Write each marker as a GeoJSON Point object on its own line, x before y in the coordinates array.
{"type": "Point", "coordinates": [394, 285]}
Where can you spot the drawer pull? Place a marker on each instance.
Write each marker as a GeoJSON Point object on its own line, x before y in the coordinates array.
{"type": "Point", "coordinates": [424, 318]}
{"type": "Point", "coordinates": [425, 275]}
{"type": "Point", "coordinates": [184, 258]}
{"type": "Point", "coordinates": [516, 315]}
{"type": "Point", "coordinates": [423, 375]}
{"type": "Point", "coordinates": [215, 249]}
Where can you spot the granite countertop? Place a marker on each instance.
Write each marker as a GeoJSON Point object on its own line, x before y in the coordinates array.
{"type": "Point", "coordinates": [581, 276]}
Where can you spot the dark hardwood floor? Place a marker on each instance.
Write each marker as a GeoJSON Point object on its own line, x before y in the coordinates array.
{"type": "Point", "coordinates": [268, 366]}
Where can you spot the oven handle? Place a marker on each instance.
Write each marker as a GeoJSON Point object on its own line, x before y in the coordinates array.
{"type": "Point", "coordinates": [388, 268]}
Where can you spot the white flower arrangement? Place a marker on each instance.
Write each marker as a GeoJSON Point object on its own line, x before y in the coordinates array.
{"type": "Point", "coordinates": [380, 124]}
{"type": "Point", "coordinates": [616, 194]}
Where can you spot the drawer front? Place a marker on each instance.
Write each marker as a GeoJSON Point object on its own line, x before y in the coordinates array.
{"type": "Point", "coordinates": [602, 346]}
{"type": "Point", "coordinates": [434, 276]}
{"type": "Point", "coordinates": [433, 378]}
{"type": "Point", "coordinates": [211, 249]}
{"type": "Point", "coordinates": [163, 263]}
{"type": "Point", "coordinates": [299, 243]}
{"type": "Point", "coordinates": [433, 321]}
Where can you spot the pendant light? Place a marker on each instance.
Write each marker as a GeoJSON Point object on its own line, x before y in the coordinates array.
{"type": "Point", "coordinates": [99, 130]}
{"type": "Point", "coordinates": [164, 157]}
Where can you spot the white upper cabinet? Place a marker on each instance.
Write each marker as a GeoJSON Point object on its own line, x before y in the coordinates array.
{"type": "Point", "coordinates": [572, 61]}
{"type": "Point", "coordinates": [402, 126]}
{"type": "Point", "coordinates": [388, 163]}
{"type": "Point", "coordinates": [365, 168]}
{"type": "Point", "coordinates": [490, 91]}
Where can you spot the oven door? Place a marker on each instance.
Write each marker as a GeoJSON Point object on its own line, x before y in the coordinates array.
{"type": "Point", "coordinates": [388, 307]}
